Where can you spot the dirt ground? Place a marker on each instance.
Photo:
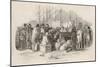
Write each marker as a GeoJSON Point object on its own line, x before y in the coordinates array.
{"type": "Point", "coordinates": [28, 57]}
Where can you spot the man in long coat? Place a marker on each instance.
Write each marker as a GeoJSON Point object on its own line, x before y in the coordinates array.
{"type": "Point", "coordinates": [74, 38]}
{"type": "Point", "coordinates": [35, 37]}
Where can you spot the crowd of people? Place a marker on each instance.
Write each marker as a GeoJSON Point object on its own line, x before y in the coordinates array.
{"type": "Point", "coordinates": [59, 38]}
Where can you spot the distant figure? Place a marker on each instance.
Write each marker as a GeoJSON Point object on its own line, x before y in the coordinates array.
{"type": "Point", "coordinates": [90, 34]}
{"type": "Point", "coordinates": [74, 38]}
{"type": "Point", "coordinates": [26, 34]}
{"type": "Point", "coordinates": [18, 38]}
{"type": "Point", "coordinates": [47, 28]}
{"type": "Point", "coordinates": [29, 36]}
{"type": "Point", "coordinates": [22, 39]}
{"type": "Point", "coordinates": [42, 30]}
{"type": "Point", "coordinates": [84, 37]}
{"type": "Point", "coordinates": [42, 26]}
{"type": "Point", "coordinates": [79, 39]}
{"type": "Point", "coordinates": [35, 37]}
{"type": "Point", "coordinates": [57, 35]}
{"type": "Point", "coordinates": [63, 29]}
